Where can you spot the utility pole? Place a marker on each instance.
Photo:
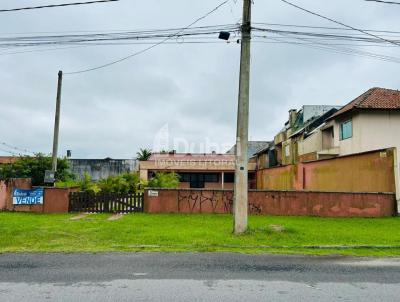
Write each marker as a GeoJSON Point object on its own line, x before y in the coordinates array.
{"type": "Point", "coordinates": [57, 122]}
{"type": "Point", "coordinates": [242, 135]}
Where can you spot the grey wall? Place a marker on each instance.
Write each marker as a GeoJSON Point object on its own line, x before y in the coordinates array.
{"type": "Point", "coordinates": [102, 168]}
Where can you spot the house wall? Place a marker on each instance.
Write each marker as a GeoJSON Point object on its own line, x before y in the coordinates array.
{"type": "Point", "coordinates": [308, 157]}
{"type": "Point", "coordinates": [56, 200]}
{"type": "Point", "coordinates": [328, 140]}
{"type": "Point", "coordinates": [278, 178]}
{"type": "Point", "coordinates": [19, 183]}
{"type": "Point", "coordinates": [3, 194]}
{"type": "Point", "coordinates": [367, 172]}
{"type": "Point", "coordinates": [370, 172]}
{"type": "Point", "coordinates": [169, 165]}
{"type": "Point", "coordinates": [287, 152]}
{"type": "Point", "coordinates": [324, 204]}
{"type": "Point", "coordinates": [372, 130]}
{"type": "Point", "coordinates": [310, 144]}
{"type": "Point", "coordinates": [263, 160]}
{"type": "Point", "coordinates": [102, 168]}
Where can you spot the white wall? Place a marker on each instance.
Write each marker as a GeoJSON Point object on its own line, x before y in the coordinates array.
{"type": "Point", "coordinates": [313, 143]}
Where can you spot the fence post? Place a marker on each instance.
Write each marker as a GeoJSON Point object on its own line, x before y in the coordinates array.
{"type": "Point", "coordinates": [106, 203]}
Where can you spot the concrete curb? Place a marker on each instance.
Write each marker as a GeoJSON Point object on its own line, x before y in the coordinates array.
{"type": "Point", "coordinates": [312, 247]}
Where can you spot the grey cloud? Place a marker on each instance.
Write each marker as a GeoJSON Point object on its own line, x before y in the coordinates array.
{"type": "Point", "coordinates": [115, 111]}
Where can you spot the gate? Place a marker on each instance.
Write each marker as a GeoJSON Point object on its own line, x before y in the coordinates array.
{"type": "Point", "coordinates": [105, 202]}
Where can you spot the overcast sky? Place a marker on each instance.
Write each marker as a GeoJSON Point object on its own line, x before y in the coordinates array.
{"type": "Point", "coordinates": [115, 111]}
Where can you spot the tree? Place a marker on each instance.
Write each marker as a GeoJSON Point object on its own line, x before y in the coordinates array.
{"type": "Point", "coordinates": [164, 180]}
{"type": "Point", "coordinates": [143, 154]}
{"type": "Point", "coordinates": [34, 167]}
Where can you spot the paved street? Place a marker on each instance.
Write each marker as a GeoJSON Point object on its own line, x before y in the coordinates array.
{"type": "Point", "coordinates": [196, 277]}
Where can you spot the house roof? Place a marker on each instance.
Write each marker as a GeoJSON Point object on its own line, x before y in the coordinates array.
{"type": "Point", "coordinates": [8, 159]}
{"type": "Point", "coordinates": [191, 157]}
{"type": "Point", "coordinates": [315, 123]}
{"type": "Point", "coordinates": [270, 146]}
{"type": "Point", "coordinates": [374, 98]}
{"type": "Point", "coordinates": [253, 147]}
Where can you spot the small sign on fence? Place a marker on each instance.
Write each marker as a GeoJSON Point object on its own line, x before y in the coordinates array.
{"type": "Point", "coordinates": [153, 193]}
{"type": "Point", "coordinates": [28, 197]}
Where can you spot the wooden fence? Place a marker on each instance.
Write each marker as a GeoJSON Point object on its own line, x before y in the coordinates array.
{"type": "Point", "coordinates": [105, 202]}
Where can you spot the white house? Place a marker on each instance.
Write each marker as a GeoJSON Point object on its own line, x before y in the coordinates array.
{"type": "Point", "coordinates": [369, 122]}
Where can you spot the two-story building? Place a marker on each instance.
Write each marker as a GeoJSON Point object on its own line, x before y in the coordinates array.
{"type": "Point", "coordinates": [284, 149]}
{"type": "Point", "coordinates": [369, 122]}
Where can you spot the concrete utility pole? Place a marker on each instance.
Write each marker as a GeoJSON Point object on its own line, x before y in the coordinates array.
{"type": "Point", "coordinates": [242, 136]}
{"type": "Point", "coordinates": [57, 122]}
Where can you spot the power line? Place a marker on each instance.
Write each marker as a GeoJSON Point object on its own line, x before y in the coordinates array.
{"type": "Point", "coordinates": [323, 27]}
{"type": "Point", "coordinates": [16, 148]}
{"type": "Point", "coordinates": [9, 152]}
{"type": "Point", "coordinates": [385, 2]}
{"type": "Point", "coordinates": [344, 50]}
{"type": "Point", "coordinates": [321, 35]}
{"type": "Point", "coordinates": [340, 23]}
{"type": "Point", "coordinates": [55, 5]}
{"type": "Point", "coordinates": [122, 35]}
{"type": "Point", "coordinates": [152, 46]}
{"type": "Point", "coordinates": [108, 44]}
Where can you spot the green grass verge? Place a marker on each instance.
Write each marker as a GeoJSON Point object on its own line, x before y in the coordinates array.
{"type": "Point", "coordinates": [23, 232]}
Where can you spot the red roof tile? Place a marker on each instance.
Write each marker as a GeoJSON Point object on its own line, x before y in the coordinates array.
{"type": "Point", "coordinates": [375, 98]}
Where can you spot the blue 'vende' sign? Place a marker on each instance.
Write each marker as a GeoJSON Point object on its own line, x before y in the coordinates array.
{"type": "Point", "coordinates": [28, 197]}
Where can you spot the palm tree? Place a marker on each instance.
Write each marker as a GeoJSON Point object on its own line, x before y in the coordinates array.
{"type": "Point", "coordinates": [143, 154]}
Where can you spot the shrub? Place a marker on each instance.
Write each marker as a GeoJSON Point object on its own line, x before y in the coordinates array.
{"type": "Point", "coordinates": [164, 180]}
{"type": "Point", "coordinates": [34, 167]}
{"type": "Point", "coordinates": [125, 183]}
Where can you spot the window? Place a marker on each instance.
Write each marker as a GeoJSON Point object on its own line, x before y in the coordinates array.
{"type": "Point", "coordinates": [229, 177]}
{"type": "Point", "coordinates": [211, 177]}
{"type": "Point", "coordinates": [197, 180]}
{"type": "Point", "coordinates": [208, 177]}
{"type": "Point", "coordinates": [346, 130]}
{"type": "Point", "coordinates": [287, 150]}
{"type": "Point", "coordinates": [184, 177]}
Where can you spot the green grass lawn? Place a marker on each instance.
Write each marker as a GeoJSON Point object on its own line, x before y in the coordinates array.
{"type": "Point", "coordinates": [20, 232]}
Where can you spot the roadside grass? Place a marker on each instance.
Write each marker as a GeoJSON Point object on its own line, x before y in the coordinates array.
{"type": "Point", "coordinates": [26, 232]}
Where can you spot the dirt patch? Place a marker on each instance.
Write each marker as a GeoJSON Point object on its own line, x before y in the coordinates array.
{"type": "Point", "coordinates": [80, 216]}
{"type": "Point", "coordinates": [277, 228]}
{"type": "Point", "coordinates": [115, 217]}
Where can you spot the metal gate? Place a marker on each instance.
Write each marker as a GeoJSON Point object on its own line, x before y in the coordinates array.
{"type": "Point", "coordinates": [105, 202]}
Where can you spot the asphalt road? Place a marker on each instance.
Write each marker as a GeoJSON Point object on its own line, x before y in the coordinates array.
{"type": "Point", "coordinates": [196, 277]}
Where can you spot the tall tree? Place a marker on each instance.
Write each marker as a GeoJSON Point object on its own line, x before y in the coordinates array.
{"type": "Point", "coordinates": [143, 154]}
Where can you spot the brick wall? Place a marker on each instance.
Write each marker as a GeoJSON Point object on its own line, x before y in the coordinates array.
{"type": "Point", "coordinates": [56, 200]}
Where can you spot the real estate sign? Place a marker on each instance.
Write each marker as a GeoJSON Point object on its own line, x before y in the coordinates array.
{"type": "Point", "coordinates": [28, 197]}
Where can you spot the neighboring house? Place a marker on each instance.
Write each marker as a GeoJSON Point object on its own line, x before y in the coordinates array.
{"type": "Point", "coordinates": [266, 156]}
{"type": "Point", "coordinates": [102, 168]}
{"type": "Point", "coordinates": [299, 125]}
{"type": "Point", "coordinates": [210, 171]}
{"type": "Point", "coordinates": [369, 122]}
{"type": "Point", "coordinates": [8, 159]}
{"type": "Point", "coordinates": [252, 148]}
